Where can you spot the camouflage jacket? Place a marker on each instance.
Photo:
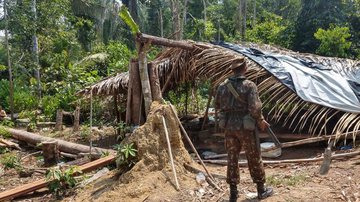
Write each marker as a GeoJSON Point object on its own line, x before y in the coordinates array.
{"type": "Point", "coordinates": [231, 111]}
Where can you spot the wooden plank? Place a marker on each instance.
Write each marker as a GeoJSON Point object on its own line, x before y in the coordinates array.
{"type": "Point", "coordinates": [30, 187]}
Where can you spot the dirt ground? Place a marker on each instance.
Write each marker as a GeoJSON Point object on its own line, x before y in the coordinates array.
{"type": "Point", "coordinates": [291, 182]}
{"type": "Point", "coordinates": [152, 178]}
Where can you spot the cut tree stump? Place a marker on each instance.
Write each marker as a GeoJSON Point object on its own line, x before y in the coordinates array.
{"type": "Point", "coordinates": [50, 152]}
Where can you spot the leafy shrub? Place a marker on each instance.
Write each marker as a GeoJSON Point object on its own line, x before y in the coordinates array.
{"type": "Point", "coordinates": [10, 160]}
{"type": "Point", "coordinates": [61, 181]}
{"type": "Point", "coordinates": [333, 41]}
{"type": "Point", "coordinates": [125, 155]}
{"type": "Point", "coordinates": [4, 133]}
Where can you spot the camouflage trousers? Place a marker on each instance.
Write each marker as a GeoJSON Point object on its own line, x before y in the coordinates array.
{"type": "Point", "coordinates": [235, 140]}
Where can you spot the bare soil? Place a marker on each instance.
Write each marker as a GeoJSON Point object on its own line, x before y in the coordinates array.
{"type": "Point", "coordinates": [152, 180]}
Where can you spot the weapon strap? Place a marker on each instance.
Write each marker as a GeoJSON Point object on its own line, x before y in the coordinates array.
{"type": "Point", "coordinates": [233, 91]}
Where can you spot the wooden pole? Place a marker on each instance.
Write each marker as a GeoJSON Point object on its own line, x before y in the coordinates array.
{"type": "Point", "coordinates": [129, 95]}
{"type": "Point", "coordinates": [154, 40]}
{"type": "Point", "coordinates": [207, 108]}
{"type": "Point", "coordinates": [144, 77]}
{"type": "Point", "coordinates": [191, 144]}
{"type": "Point", "coordinates": [155, 83]}
{"type": "Point", "coordinates": [170, 153]}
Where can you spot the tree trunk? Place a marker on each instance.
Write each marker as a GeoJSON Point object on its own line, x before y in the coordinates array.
{"type": "Point", "coordinates": [175, 8]}
{"type": "Point", "coordinates": [35, 50]}
{"type": "Point", "coordinates": [59, 120]}
{"type": "Point", "coordinates": [64, 146]}
{"type": "Point", "coordinates": [184, 13]}
{"type": "Point", "coordinates": [254, 15]}
{"type": "Point", "coordinates": [76, 126]}
{"type": "Point", "coordinates": [155, 83]}
{"type": "Point", "coordinates": [145, 82]}
{"type": "Point", "coordinates": [50, 152]}
{"type": "Point", "coordinates": [204, 4]}
{"type": "Point", "coordinates": [11, 93]}
{"type": "Point", "coordinates": [242, 8]}
{"type": "Point", "coordinates": [161, 22]}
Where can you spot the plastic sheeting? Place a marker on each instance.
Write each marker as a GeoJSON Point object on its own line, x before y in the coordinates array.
{"type": "Point", "coordinates": [311, 81]}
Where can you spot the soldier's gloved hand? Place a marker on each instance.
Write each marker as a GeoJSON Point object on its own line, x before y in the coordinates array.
{"type": "Point", "coordinates": [263, 125]}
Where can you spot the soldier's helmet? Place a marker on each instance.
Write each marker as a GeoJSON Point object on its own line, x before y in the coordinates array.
{"type": "Point", "coordinates": [238, 63]}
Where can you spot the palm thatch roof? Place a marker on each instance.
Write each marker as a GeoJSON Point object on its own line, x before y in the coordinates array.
{"type": "Point", "coordinates": [111, 85]}
{"type": "Point", "coordinates": [281, 105]}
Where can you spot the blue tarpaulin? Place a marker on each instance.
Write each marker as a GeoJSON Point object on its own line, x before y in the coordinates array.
{"type": "Point", "coordinates": [312, 82]}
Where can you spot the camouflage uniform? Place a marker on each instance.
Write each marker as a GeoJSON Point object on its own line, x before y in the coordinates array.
{"type": "Point", "coordinates": [231, 113]}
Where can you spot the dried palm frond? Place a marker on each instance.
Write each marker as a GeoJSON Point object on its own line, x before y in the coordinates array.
{"type": "Point", "coordinates": [282, 106]}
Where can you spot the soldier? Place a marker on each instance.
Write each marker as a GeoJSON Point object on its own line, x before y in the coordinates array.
{"type": "Point", "coordinates": [239, 113]}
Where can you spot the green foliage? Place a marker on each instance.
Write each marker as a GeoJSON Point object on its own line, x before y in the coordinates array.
{"type": "Point", "coordinates": [126, 17]}
{"type": "Point", "coordinates": [333, 41]}
{"type": "Point", "coordinates": [7, 123]}
{"type": "Point", "coordinates": [196, 98]}
{"type": "Point", "coordinates": [269, 31]}
{"type": "Point", "coordinates": [10, 160]}
{"type": "Point", "coordinates": [4, 132]}
{"type": "Point", "coordinates": [61, 181]}
{"type": "Point", "coordinates": [125, 155]}
{"type": "Point", "coordinates": [4, 150]}
{"type": "Point", "coordinates": [123, 128]}
{"type": "Point", "coordinates": [85, 132]}
{"type": "Point", "coordinates": [50, 104]}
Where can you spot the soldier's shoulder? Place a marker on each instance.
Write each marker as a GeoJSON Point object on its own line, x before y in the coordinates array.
{"type": "Point", "coordinates": [249, 83]}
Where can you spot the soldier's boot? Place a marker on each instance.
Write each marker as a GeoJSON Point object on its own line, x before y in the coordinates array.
{"type": "Point", "coordinates": [233, 193]}
{"type": "Point", "coordinates": [263, 192]}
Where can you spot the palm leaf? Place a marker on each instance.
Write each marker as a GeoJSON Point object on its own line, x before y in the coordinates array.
{"type": "Point", "coordinates": [129, 21]}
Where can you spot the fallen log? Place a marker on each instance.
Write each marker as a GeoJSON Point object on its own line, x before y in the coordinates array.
{"type": "Point", "coordinates": [10, 144]}
{"type": "Point", "coordinates": [244, 163]}
{"type": "Point", "coordinates": [64, 146]}
{"type": "Point", "coordinates": [30, 187]}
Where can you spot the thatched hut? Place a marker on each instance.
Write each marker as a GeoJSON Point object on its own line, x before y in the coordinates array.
{"type": "Point", "coordinates": [208, 62]}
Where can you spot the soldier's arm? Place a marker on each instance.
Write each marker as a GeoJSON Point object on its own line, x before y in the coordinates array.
{"type": "Point", "coordinates": [254, 103]}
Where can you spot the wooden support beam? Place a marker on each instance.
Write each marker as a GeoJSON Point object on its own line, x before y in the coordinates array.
{"type": "Point", "coordinates": [155, 83]}
{"type": "Point", "coordinates": [154, 40]}
{"type": "Point", "coordinates": [144, 78]}
{"type": "Point", "coordinates": [30, 187]}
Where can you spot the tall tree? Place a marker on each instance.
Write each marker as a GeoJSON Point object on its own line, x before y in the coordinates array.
{"type": "Point", "coordinates": [35, 49]}
{"type": "Point", "coordinates": [11, 90]}
{"type": "Point", "coordinates": [316, 14]}
{"type": "Point", "coordinates": [177, 29]}
{"type": "Point", "coordinates": [242, 18]}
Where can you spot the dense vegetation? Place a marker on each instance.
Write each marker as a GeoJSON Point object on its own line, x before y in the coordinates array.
{"type": "Point", "coordinates": [57, 47]}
